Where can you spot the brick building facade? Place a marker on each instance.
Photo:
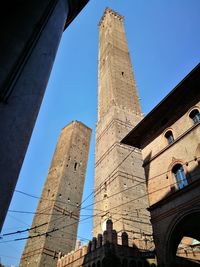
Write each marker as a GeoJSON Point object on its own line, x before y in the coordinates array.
{"type": "Point", "coordinates": [119, 176]}
{"type": "Point", "coordinates": [169, 137]}
{"type": "Point", "coordinates": [55, 223]}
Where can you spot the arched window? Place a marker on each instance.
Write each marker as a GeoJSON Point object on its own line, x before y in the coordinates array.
{"type": "Point", "coordinates": [180, 176]}
{"type": "Point", "coordinates": [169, 136]}
{"type": "Point", "coordinates": [195, 115]}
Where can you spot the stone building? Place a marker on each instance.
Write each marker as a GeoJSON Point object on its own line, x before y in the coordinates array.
{"type": "Point", "coordinates": [30, 34]}
{"type": "Point", "coordinates": [119, 176]}
{"type": "Point", "coordinates": [105, 251]}
{"type": "Point", "coordinates": [169, 137]}
{"type": "Point", "coordinates": [55, 224]}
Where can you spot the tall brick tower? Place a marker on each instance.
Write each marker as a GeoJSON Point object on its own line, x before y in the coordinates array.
{"type": "Point", "coordinates": [120, 188]}
{"type": "Point", "coordinates": [55, 224]}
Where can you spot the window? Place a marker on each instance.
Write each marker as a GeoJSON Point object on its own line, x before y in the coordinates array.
{"type": "Point", "coordinates": [195, 115]}
{"type": "Point", "coordinates": [179, 175]}
{"type": "Point", "coordinates": [75, 166]}
{"type": "Point", "coordinates": [105, 186]}
{"type": "Point", "coordinates": [169, 136]}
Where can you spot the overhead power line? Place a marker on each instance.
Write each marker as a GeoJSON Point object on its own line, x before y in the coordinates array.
{"type": "Point", "coordinates": [99, 214]}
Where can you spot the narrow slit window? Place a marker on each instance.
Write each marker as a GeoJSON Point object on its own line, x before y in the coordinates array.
{"type": "Point", "coordinates": [75, 166]}
{"type": "Point", "coordinates": [105, 186]}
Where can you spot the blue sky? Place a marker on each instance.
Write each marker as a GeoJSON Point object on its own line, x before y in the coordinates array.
{"type": "Point", "coordinates": [164, 43]}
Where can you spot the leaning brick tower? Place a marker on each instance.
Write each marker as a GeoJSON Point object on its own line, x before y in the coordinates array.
{"type": "Point", "coordinates": [120, 187]}
{"type": "Point", "coordinates": [55, 224]}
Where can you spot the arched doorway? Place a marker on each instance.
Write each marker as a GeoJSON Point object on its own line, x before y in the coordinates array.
{"type": "Point", "coordinates": [186, 226]}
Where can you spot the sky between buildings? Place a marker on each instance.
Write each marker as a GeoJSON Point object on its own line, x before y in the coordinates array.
{"type": "Point", "coordinates": [164, 44]}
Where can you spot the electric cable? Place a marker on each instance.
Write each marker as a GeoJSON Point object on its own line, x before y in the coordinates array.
{"type": "Point", "coordinates": [104, 211]}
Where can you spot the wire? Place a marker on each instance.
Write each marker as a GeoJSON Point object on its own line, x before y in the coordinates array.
{"type": "Point", "coordinates": [99, 214]}
{"type": "Point", "coordinates": [40, 225]}
{"type": "Point", "coordinates": [107, 178]}
{"type": "Point", "coordinates": [129, 224]}
{"type": "Point", "coordinates": [39, 213]}
{"type": "Point", "coordinates": [156, 176]}
{"type": "Point", "coordinates": [56, 229]}
{"type": "Point", "coordinates": [82, 208]}
{"type": "Point", "coordinates": [45, 233]}
{"type": "Point", "coordinates": [110, 175]}
{"type": "Point", "coordinates": [126, 189]}
{"type": "Point", "coordinates": [28, 229]}
{"type": "Point", "coordinates": [53, 200]}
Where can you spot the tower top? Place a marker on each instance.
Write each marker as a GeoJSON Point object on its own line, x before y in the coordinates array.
{"type": "Point", "coordinates": [75, 122]}
{"type": "Point", "coordinates": [111, 12]}
{"type": "Point", "coordinates": [116, 83]}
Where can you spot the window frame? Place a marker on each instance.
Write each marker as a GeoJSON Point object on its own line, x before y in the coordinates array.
{"type": "Point", "coordinates": [195, 118]}
{"type": "Point", "coordinates": [179, 175]}
{"type": "Point", "coordinates": [169, 136]}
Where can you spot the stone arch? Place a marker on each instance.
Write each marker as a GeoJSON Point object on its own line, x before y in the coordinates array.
{"type": "Point", "coordinates": [192, 108]}
{"type": "Point", "coordinates": [164, 139]}
{"type": "Point", "coordinates": [190, 111]}
{"type": "Point", "coordinates": [185, 225]}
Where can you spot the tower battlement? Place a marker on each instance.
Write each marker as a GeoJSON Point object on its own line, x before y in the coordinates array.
{"type": "Point", "coordinates": [105, 248]}
{"type": "Point", "coordinates": [111, 12]}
